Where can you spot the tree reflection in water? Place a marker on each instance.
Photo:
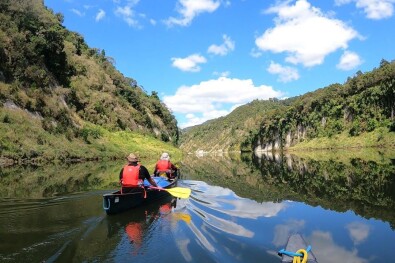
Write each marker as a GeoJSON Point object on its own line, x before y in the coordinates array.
{"type": "Point", "coordinates": [338, 181]}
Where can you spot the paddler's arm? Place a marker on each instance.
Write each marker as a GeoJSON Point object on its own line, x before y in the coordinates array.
{"type": "Point", "coordinates": [120, 176]}
{"type": "Point", "coordinates": [147, 176]}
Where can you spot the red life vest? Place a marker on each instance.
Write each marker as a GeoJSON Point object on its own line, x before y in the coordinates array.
{"type": "Point", "coordinates": [130, 175]}
{"type": "Point", "coordinates": [163, 166]}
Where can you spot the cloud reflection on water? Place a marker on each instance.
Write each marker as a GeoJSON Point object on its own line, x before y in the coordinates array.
{"type": "Point", "coordinates": [358, 232]}
{"type": "Point", "coordinates": [227, 202]}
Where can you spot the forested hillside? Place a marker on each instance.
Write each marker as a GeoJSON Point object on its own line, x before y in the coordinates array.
{"type": "Point", "coordinates": [227, 133]}
{"type": "Point", "coordinates": [358, 113]}
{"type": "Point", "coordinates": [56, 91]}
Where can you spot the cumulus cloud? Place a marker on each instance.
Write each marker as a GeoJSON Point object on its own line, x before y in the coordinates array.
{"type": "Point", "coordinates": [304, 33]}
{"type": "Point", "coordinates": [349, 60]}
{"type": "Point", "coordinates": [215, 98]}
{"type": "Point", "coordinates": [285, 73]}
{"type": "Point", "coordinates": [189, 9]}
{"type": "Point", "coordinates": [223, 49]}
{"type": "Point", "coordinates": [190, 63]}
{"type": "Point", "coordinates": [100, 15]}
{"type": "Point", "coordinates": [373, 9]}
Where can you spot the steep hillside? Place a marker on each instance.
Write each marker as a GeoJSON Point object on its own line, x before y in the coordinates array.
{"type": "Point", "coordinates": [56, 91]}
{"type": "Point", "coordinates": [358, 113]}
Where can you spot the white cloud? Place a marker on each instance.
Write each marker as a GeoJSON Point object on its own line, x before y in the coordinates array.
{"type": "Point", "coordinates": [349, 60]}
{"type": "Point", "coordinates": [192, 119]}
{"type": "Point", "coordinates": [78, 12]}
{"type": "Point", "coordinates": [373, 9]}
{"type": "Point", "coordinates": [128, 15]}
{"type": "Point", "coordinates": [224, 48]}
{"type": "Point", "coordinates": [376, 9]}
{"type": "Point", "coordinates": [214, 98]}
{"type": "Point", "coordinates": [190, 63]}
{"type": "Point", "coordinates": [304, 33]}
{"type": "Point", "coordinates": [189, 9]}
{"type": "Point", "coordinates": [285, 73]}
{"type": "Point", "coordinates": [100, 15]}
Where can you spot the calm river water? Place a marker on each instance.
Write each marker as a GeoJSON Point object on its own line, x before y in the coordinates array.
{"type": "Point", "coordinates": [242, 209]}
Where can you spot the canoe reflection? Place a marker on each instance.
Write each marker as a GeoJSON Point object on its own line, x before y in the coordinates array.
{"type": "Point", "coordinates": [138, 225]}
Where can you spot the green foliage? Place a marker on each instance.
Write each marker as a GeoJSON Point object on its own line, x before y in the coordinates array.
{"type": "Point", "coordinates": [53, 72]}
{"type": "Point", "coordinates": [23, 139]}
{"type": "Point", "coordinates": [229, 133]}
{"type": "Point", "coordinates": [365, 103]}
{"type": "Point", "coordinates": [68, 87]}
{"type": "Point", "coordinates": [87, 132]}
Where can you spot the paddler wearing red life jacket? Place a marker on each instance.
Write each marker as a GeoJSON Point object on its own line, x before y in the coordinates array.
{"type": "Point", "coordinates": [164, 166]}
{"type": "Point", "coordinates": [133, 174]}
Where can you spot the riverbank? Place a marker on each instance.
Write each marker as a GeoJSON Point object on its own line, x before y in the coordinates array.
{"type": "Point", "coordinates": [109, 146]}
{"type": "Point", "coordinates": [380, 138]}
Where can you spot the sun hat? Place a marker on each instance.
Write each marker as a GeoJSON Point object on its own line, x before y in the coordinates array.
{"type": "Point", "coordinates": [165, 156]}
{"type": "Point", "coordinates": [132, 158]}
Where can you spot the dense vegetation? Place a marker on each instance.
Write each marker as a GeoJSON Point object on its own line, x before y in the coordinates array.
{"type": "Point", "coordinates": [358, 113]}
{"type": "Point", "coordinates": [227, 133]}
{"type": "Point", "coordinates": [364, 104]}
{"type": "Point", "coordinates": [57, 93]}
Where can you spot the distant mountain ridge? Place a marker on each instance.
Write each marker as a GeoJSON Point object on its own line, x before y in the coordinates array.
{"type": "Point", "coordinates": [363, 107]}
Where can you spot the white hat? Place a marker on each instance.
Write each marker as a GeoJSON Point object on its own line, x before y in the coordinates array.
{"type": "Point", "coordinates": [165, 156]}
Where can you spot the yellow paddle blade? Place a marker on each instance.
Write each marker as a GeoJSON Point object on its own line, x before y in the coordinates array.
{"type": "Point", "coordinates": [179, 192]}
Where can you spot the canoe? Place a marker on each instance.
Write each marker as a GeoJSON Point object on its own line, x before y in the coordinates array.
{"type": "Point", "coordinates": [296, 242]}
{"type": "Point", "coordinates": [117, 202]}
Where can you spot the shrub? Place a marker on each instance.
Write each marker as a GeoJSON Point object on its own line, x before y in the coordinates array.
{"type": "Point", "coordinates": [355, 128]}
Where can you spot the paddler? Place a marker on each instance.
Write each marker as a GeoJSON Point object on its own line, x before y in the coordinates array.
{"type": "Point", "coordinates": [133, 174]}
{"type": "Point", "coordinates": [165, 167]}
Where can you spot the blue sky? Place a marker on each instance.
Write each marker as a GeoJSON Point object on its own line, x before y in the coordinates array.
{"type": "Point", "coordinates": [206, 57]}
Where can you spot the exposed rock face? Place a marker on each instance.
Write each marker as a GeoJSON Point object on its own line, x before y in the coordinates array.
{"type": "Point", "coordinates": [279, 142]}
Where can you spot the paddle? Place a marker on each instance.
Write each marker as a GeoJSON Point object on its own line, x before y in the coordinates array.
{"type": "Point", "coordinates": [179, 192]}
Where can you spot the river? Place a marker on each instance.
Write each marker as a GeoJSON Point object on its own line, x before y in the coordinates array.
{"type": "Point", "coordinates": [242, 209]}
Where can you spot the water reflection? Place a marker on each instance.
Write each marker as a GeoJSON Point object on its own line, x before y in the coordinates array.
{"type": "Point", "coordinates": [242, 209]}
{"type": "Point", "coordinates": [224, 226]}
{"type": "Point", "coordinates": [136, 227]}
{"type": "Point", "coordinates": [56, 180]}
{"type": "Point", "coordinates": [366, 187]}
